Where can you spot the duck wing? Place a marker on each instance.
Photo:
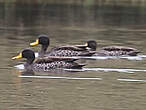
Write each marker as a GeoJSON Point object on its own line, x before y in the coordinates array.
{"type": "Point", "coordinates": [69, 47]}
{"type": "Point", "coordinates": [118, 51]}
{"type": "Point", "coordinates": [69, 51]}
{"type": "Point", "coordinates": [51, 59]}
{"type": "Point", "coordinates": [118, 48]}
{"type": "Point", "coordinates": [48, 63]}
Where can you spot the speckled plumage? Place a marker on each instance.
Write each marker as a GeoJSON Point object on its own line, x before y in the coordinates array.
{"type": "Point", "coordinates": [112, 50]}
{"type": "Point", "coordinates": [47, 63]}
{"type": "Point", "coordinates": [116, 51]}
{"type": "Point", "coordinates": [67, 51]}
{"type": "Point", "coordinates": [55, 65]}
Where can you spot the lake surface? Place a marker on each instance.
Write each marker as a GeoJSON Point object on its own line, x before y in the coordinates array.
{"type": "Point", "coordinates": [104, 84]}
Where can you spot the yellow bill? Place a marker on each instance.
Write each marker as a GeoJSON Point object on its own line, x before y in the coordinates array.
{"type": "Point", "coordinates": [35, 43]}
{"type": "Point", "coordinates": [17, 57]}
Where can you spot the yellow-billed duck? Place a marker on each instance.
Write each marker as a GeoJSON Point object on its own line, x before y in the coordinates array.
{"type": "Point", "coordinates": [111, 50]}
{"type": "Point", "coordinates": [45, 64]}
{"type": "Point", "coordinates": [67, 51]}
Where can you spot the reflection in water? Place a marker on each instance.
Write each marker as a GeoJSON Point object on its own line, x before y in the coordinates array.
{"type": "Point", "coordinates": [27, 72]}
{"type": "Point", "coordinates": [19, 16]}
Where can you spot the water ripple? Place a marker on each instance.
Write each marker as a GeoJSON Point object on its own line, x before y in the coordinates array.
{"type": "Point", "coordinates": [56, 77]}
{"type": "Point", "coordinates": [132, 80]}
{"type": "Point", "coordinates": [21, 66]}
{"type": "Point", "coordinates": [108, 70]}
{"type": "Point", "coordinates": [139, 57]}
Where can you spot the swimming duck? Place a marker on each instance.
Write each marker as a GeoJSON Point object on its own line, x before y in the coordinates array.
{"type": "Point", "coordinates": [45, 64]}
{"type": "Point", "coordinates": [111, 50]}
{"type": "Point", "coordinates": [68, 50]}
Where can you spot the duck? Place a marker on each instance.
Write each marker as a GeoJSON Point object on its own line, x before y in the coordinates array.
{"type": "Point", "coordinates": [62, 51]}
{"type": "Point", "coordinates": [110, 50]}
{"type": "Point", "coordinates": [46, 64]}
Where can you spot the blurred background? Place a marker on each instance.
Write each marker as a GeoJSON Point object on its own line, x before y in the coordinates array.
{"type": "Point", "coordinates": [109, 22]}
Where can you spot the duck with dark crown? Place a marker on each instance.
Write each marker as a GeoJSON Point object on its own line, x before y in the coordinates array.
{"type": "Point", "coordinates": [67, 51]}
{"type": "Point", "coordinates": [111, 50]}
{"type": "Point", "coordinates": [45, 64]}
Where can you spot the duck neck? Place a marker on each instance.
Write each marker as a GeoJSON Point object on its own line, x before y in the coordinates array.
{"type": "Point", "coordinates": [28, 63]}
{"type": "Point", "coordinates": [43, 50]}
{"type": "Point", "coordinates": [93, 49]}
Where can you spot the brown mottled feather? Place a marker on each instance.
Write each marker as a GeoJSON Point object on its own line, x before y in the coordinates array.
{"type": "Point", "coordinates": [52, 59]}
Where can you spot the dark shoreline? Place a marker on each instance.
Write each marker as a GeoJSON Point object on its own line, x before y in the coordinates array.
{"type": "Point", "coordinates": [79, 2]}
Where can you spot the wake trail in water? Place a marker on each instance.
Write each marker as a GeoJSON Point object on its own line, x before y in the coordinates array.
{"type": "Point", "coordinates": [56, 77]}
{"type": "Point", "coordinates": [21, 67]}
{"type": "Point", "coordinates": [108, 70]}
{"type": "Point", "coordinates": [131, 80]}
{"type": "Point", "coordinates": [81, 78]}
{"type": "Point", "coordinates": [139, 57]}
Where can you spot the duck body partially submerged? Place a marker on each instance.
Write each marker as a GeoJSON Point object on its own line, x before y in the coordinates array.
{"type": "Point", "coordinates": [62, 51]}
{"type": "Point", "coordinates": [46, 63]}
{"type": "Point", "coordinates": [117, 51]}
{"type": "Point", "coordinates": [69, 51]}
{"type": "Point", "coordinates": [112, 50]}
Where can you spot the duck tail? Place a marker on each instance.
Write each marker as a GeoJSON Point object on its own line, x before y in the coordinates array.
{"type": "Point", "coordinates": [134, 53]}
{"type": "Point", "coordinates": [88, 53]}
{"type": "Point", "coordinates": [78, 66]}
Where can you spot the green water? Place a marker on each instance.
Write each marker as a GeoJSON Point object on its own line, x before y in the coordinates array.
{"type": "Point", "coordinates": [108, 24]}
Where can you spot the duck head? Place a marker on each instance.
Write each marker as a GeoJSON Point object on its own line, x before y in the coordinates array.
{"type": "Point", "coordinates": [28, 54]}
{"type": "Point", "coordinates": [91, 44]}
{"type": "Point", "coordinates": [42, 40]}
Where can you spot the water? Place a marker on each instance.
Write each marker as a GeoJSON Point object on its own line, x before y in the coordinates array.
{"type": "Point", "coordinates": [104, 84]}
